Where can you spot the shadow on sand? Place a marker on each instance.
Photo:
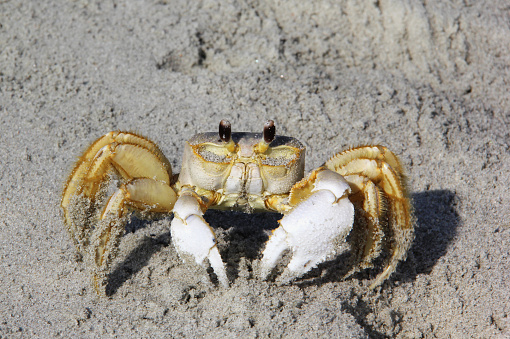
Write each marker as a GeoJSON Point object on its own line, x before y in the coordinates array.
{"type": "Point", "coordinates": [243, 235]}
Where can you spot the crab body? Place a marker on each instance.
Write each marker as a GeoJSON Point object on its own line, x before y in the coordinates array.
{"type": "Point", "coordinates": [247, 172]}
{"type": "Point", "coordinates": [237, 173]}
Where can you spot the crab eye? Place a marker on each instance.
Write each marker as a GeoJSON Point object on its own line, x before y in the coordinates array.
{"type": "Point", "coordinates": [225, 130]}
{"type": "Point", "coordinates": [269, 131]}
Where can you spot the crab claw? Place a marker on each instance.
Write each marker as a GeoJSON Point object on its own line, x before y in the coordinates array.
{"type": "Point", "coordinates": [193, 237]}
{"type": "Point", "coordinates": [322, 216]}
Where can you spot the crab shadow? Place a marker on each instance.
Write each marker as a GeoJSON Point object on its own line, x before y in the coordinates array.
{"type": "Point", "coordinates": [437, 221]}
{"type": "Point", "coordinates": [138, 257]}
{"type": "Point", "coordinates": [242, 235]}
{"type": "Point", "coordinates": [239, 236]}
{"type": "Point", "coordinates": [436, 225]}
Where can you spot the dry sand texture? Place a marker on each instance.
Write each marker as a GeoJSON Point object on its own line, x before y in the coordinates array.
{"type": "Point", "coordinates": [429, 79]}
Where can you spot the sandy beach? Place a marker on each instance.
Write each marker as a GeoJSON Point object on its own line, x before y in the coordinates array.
{"type": "Point", "coordinates": [428, 79]}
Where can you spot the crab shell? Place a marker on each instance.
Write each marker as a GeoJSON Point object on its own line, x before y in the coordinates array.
{"type": "Point", "coordinates": [243, 172]}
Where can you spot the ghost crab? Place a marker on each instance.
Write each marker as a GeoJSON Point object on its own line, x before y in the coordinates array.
{"type": "Point", "coordinates": [242, 171]}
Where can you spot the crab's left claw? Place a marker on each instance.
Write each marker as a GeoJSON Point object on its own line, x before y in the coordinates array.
{"type": "Point", "coordinates": [193, 237]}
{"type": "Point", "coordinates": [321, 217]}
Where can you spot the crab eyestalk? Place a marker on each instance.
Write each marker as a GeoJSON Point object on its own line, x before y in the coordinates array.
{"type": "Point", "coordinates": [269, 131]}
{"type": "Point", "coordinates": [225, 131]}
{"type": "Point", "coordinates": [267, 136]}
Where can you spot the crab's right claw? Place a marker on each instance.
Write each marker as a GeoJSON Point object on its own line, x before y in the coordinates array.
{"type": "Point", "coordinates": [193, 237]}
{"type": "Point", "coordinates": [322, 216]}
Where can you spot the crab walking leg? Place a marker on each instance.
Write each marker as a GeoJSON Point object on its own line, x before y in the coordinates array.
{"type": "Point", "coordinates": [400, 221]}
{"type": "Point", "coordinates": [141, 194]}
{"type": "Point", "coordinates": [383, 168]}
{"type": "Point", "coordinates": [340, 160]}
{"type": "Point", "coordinates": [139, 158]}
{"type": "Point", "coordinates": [83, 165]}
{"type": "Point", "coordinates": [367, 241]}
{"type": "Point", "coordinates": [193, 237]}
{"type": "Point", "coordinates": [130, 161]}
{"type": "Point", "coordinates": [313, 228]}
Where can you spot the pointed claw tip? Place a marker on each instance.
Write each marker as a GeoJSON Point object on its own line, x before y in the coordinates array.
{"type": "Point", "coordinates": [264, 274]}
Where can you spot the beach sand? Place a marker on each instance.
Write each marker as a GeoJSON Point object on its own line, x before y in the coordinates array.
{"type": "Point", "coordinates": [429, 80]}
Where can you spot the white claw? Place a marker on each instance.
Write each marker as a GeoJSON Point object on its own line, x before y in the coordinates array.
{"type": "Point", "coordinates": [274, 248]}
{"type": "Point", "coordinates": [217, 264]}
{"type": "Point", "coordinates": [193, 237]}
{"type": "Point", "coordinates": [331, 181]}
{"type": "Point", "coordinates": [311, 230]}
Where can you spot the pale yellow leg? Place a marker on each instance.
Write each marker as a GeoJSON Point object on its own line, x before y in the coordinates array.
{"type": "Point", "coordinates": [83, 165]}
{"type": "Point", "coordinates": [400, 220]}
{"type": "Point", "coordinates": [142, 194]}
{"type": "Point", "coordinates": [130, 155]}
{"type": "Point", "coordinates": [381, 167]}
{"type": "Point", "coordinates": [341, 159]}
{"type": "Point", "coordinates": [366, 241]}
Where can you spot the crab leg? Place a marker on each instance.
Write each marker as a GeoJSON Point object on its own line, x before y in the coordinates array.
{"type": "Point", "coordinates": [322, 217]}
{"type": "Point", "coordinates": [130, 155]}
{"type": "Point", "coordinates": [141, 194]}
{"type": "Point", "coordinates": [193, 237]}
{"type": "Point", "coordinates": [93, 157]}
{"type": "Point", "coordinates": [364, 168]}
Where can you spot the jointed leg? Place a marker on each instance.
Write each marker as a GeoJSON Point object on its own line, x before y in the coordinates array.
{"type": "Point", "coordinates": [366, 241]}
{"type": "Point", "coordinates": [381, 167]}
{"type": "Point", "coordinates": [128, 154]}
{"type": "Point", "coordinates": [400, 220]}
{"type": "Point", "coordinates": [141, 194]}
